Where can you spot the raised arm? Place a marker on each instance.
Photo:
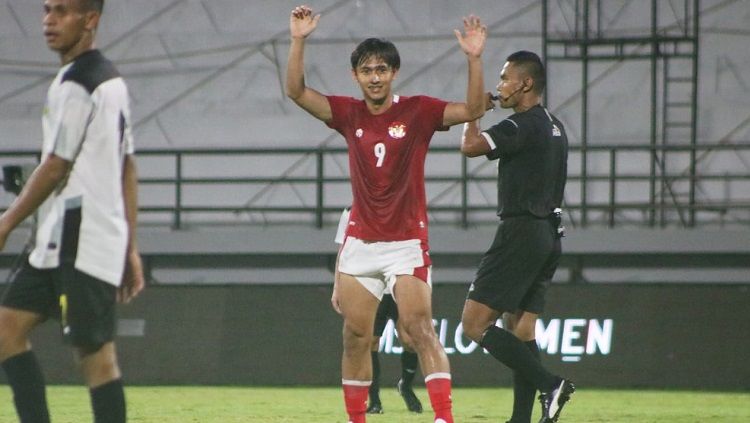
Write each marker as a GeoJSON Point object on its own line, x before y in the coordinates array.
{"type": "Point", "coordinates": [472, 43]}
{"type": "Point", "coordinates": [302, 23]}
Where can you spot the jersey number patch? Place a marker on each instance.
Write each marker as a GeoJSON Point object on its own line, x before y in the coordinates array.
{"type": "Point", "coordinates": [380, 154]}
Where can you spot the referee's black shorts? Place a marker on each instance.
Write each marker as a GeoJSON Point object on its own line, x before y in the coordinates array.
{"type": "Point", "coordinates": [516, 271]}
{"type": "Point", "coordinates": [386, 310]}
{"type": "Point", "coordinates": [84, 305]}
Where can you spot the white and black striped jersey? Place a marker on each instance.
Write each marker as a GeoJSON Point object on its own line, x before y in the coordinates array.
{"type": "Point", "coordinates": [86, 121]}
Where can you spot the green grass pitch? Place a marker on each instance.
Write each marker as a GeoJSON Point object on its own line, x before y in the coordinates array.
{"type": "Point", "coordinates": [165, 404]}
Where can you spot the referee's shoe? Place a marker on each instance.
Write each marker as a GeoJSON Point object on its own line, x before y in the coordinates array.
{"type": "Point", "coordinates": [554, 400]}
{"type": "Point", "coordinates": [407, 393]}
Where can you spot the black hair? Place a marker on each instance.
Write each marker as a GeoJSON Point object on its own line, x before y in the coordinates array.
{"type": "Point", "coordinates": [92, 5]}
{"type": "Point", "coordinates": [532, 66]}
{"type": "Point", "coordinates": [376, 47]}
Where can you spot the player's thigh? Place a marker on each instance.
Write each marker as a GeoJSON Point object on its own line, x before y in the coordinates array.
{"type": "Point", "coordinates": [386, 310]}
{"type": "Point", "coordinates": [413, 298]}
{"type": "Point", "coordinates": [358, 306]}
{"type": "Point", "coordinates": [32, 290]}
{"type": "Point", "coordinates": [27, 301]}
{"type": "Point", "coordinates": [87, 309]}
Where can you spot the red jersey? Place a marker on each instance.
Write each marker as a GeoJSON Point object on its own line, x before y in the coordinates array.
{"type": "Point", "coordinates": [386, 164]}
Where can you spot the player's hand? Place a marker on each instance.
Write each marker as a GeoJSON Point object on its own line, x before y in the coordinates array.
{"type": "Point", "coordinates": [335, 300]}
{"type": "Point", "coordinates": [302, 22]}
{"type": "Point", "coordinates": [132, 279]}
{"type": "Point", "coordinates": [474, 36]}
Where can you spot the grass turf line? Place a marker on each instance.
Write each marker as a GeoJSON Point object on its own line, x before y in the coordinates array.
{"type": "Point", "coordinates": [168, 404]}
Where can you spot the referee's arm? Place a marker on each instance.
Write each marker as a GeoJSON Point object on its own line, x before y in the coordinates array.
{"type": "Point", "coordinates": [473, 144]}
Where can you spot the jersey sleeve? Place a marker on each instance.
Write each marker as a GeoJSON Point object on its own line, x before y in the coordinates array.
{"type": "Point", "coordinates": [434, 109]}
{"type": "Point", "coordinates": [72, 122]}
{"type": "Point", "coordinates": [127, 132]}
{"type": "Point", "coordinates": [505, 137]}
{"type": "Point", "coordinates": [339, 110]}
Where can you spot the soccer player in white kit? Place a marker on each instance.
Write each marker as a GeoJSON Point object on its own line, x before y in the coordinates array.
{"type": "Point", "coordinates": [386, 240]}
{"type": "Point", "coordinates": [84, 191]}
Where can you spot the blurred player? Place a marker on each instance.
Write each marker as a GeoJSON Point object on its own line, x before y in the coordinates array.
{"type": "Point", "coordinates": [84, 190]}
{"type": "Point", "coordinates": [409, 360]}
{"type": "Point", "coordinates": [386, 243]}
{"type": "Point", "coordinates": [513, 276]}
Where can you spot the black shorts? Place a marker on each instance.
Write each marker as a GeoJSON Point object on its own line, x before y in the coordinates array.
{"type": "Point", "coordinates": [84, 305]}
{"type": "Point", "coordinates": [386, 310]}
{"type": "Point", "coordinates": [516, 271]}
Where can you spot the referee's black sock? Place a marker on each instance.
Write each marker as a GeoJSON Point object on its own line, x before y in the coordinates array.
{"type": "Point", "coordinates": [409, 362]}
{"type": "Point", "coordinates": [374, 390]}
{"type": "Point", "coordinates": [524, 391]}
{"type": "Point", "coordinates": [27, 382]}
{"type": "Point", "coordinates": [108, 402]}
{"type": "Point", "coordinates": [512, 352]}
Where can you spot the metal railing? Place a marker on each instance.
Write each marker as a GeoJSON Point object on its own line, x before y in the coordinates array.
{"type": "Point", "coordinates": [683, 187]}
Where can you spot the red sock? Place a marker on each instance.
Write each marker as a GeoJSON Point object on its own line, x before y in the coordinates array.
{"type": "Point", "coordinates": [439, 389]}
{"type": "Point", "coordinates": [355, 399]}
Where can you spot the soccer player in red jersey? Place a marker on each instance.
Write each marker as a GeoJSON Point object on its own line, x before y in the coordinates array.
{"type": "Point", "coordinates": [386, 240]}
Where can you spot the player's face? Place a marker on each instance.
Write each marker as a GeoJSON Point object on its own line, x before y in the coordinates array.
{"type": "Point", "coordinates": [65, 24]}
{"type": "Point", "coordinates": [510, 86]}
{"type": "Point", "coordinates": [374, 77]}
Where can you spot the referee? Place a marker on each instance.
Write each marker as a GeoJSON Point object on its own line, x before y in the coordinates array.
{"type": "Point", "coordinates": [532, 150]}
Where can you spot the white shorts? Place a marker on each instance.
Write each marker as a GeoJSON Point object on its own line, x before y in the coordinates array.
{"type": "Point", "coordinates": [376, 264]}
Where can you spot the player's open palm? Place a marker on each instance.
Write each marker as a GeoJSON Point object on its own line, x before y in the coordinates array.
{"type": "Point", "coordinates": [302, 22]}
{"type": "Point", "coordinates": [474, 36]}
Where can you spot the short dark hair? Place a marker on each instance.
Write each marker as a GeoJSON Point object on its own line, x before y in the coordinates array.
{"type": "Point", "coordinates": [92, 5]}
{"type": "Point", "coordinates": [532, 66]}
{"type": "Point", "coordinates": [376, 47]}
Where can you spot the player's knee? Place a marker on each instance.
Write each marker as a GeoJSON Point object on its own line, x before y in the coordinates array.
{"type": "Point", "coordinates": [419, 332]}
{"type": "Point", "coordinates": [13, 337]}
{"type": "Point", "coordinates": [98, 362]}
{"type": "Point", "coordinates": [473, 329]}
{"type": "Point", "coordinates": [356, 336]}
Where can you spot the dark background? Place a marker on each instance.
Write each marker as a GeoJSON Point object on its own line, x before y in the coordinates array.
{"type": "Point", "coordinates": [664, 336]}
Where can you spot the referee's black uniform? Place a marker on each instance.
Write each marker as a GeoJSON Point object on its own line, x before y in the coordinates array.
{"type": "Point", "coordinates": [532, 151]}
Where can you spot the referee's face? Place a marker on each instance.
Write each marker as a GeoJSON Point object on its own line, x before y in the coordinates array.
{"type": "Point", "coordinates": [510, 85]}
{"type": "Point", "coordinates": [65, 24]}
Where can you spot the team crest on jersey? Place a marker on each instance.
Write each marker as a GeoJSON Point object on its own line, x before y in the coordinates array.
{"type": "Point", "coordinates": [397, 130]}
{"type": "Point", "coordinates": [359, 133]}
{"type": "Point", "coordinates": [556, 131]}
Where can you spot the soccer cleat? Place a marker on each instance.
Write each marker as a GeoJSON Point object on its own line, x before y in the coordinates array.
{"type": "Point", "coordinates": [553, 401]}
{"type": "Point", "coordinates": [412, 402]}
{"type": "Point", "coordinates": [375, 408]}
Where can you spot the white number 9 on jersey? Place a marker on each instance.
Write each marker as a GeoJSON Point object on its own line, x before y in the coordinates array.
{"type": "Point", "coordinates": [380, 154]}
